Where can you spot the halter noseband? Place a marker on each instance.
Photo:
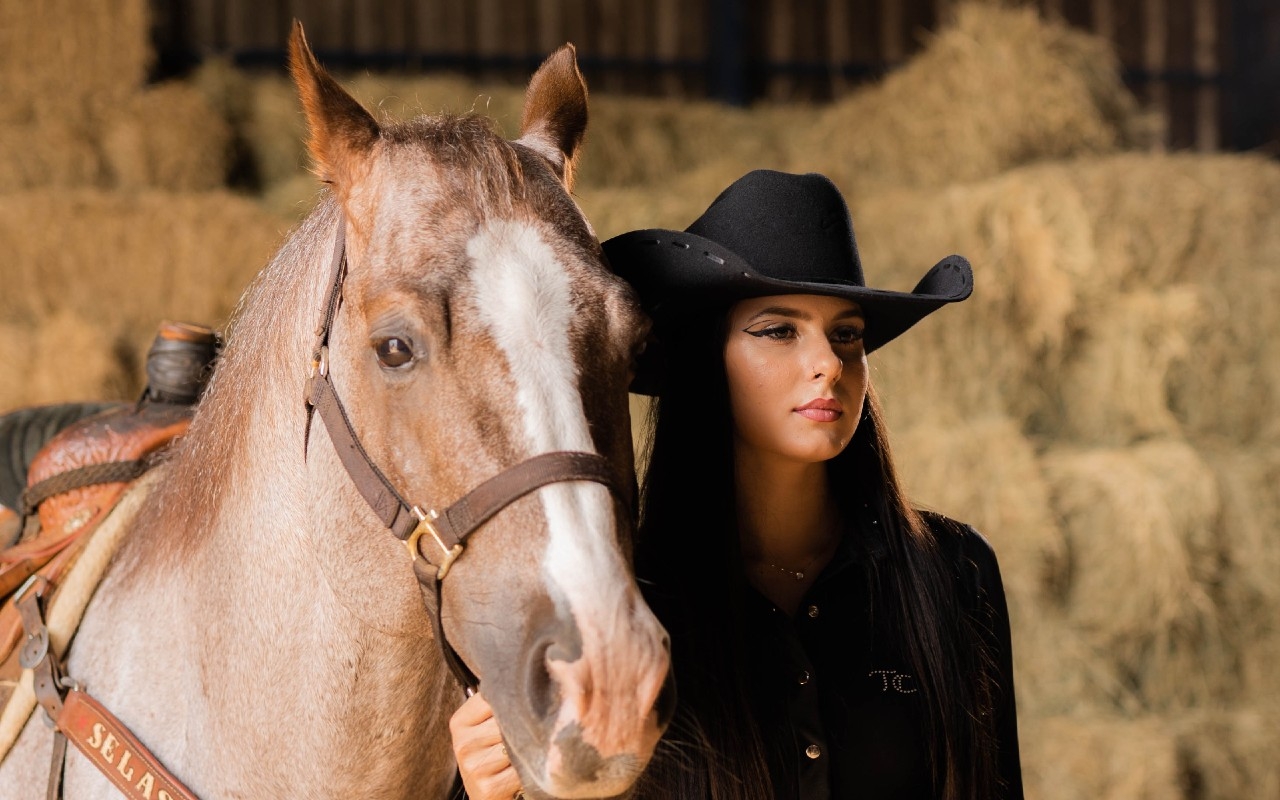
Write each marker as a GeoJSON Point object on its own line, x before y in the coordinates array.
{"type": "Point", "coordinates": [445, 530]}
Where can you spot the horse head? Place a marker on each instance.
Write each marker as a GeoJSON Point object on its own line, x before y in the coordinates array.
{"type": "Point", "coordinates": [478, 328]}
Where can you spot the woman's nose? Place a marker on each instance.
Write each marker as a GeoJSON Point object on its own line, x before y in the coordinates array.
{"type": "Point", "coordinates": [826, 364]}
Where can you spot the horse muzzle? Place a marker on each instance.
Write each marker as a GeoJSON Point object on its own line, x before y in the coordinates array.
{"type": "Point", "coordinates": [599, 702]}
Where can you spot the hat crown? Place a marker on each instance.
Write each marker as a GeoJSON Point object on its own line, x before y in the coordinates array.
{"type": "Point", "coordinates": [785, 226]}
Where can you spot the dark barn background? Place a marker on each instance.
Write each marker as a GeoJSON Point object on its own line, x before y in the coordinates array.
{"type": "Point", "coordinates": [1211, 67]}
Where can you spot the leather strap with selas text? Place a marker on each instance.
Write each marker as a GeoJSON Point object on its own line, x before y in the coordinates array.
{"type": "Point", "coordinates": [96, 732]}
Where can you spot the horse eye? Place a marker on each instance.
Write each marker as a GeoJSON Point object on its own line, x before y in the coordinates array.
{"type": "Point", "coordinates": [394, 351]}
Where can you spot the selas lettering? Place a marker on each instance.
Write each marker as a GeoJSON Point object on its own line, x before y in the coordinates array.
{"type": "Point", "coordinates": [108, 746]}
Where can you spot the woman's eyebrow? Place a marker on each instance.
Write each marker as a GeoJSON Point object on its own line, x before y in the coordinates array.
{"type": "Point", "coordinates": [795, 313]}
{"type": "Point", "coordinates": [779, 311]}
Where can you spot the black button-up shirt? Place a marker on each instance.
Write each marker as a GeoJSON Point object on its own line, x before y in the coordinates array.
{"type": "Point", "coordinates": [839, 711]}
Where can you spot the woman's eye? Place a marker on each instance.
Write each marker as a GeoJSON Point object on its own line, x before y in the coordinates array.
{"type": "Point", "coordinates": [394, 351]}
{"type": "Point", "coordinates": [773, 332]}
{"type": "Point", "coordinates": [847, 335]}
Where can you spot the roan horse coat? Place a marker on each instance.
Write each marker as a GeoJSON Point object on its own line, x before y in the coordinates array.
{"type": "Point", "coordinates": [259, 629]}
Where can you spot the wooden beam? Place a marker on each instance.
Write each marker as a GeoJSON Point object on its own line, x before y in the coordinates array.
{"type": "Point", "coordinates": [839, 49]}
{"type": "Point", "coordinates": [892, 48]}
{"type": "Point", "coordinates": [1104, 19]}
{"type": "Point", "coordinates": [1155, 59]}
{"type": "Point", "coordinates": [667, 43]}
{"type": "Point", "coordinates": [781, 25]}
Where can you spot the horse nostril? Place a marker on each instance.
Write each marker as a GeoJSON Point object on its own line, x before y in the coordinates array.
{"type": "Point", "coordinates": [542, 691]}
{"type": "Point", "coordinates": [665, 704]}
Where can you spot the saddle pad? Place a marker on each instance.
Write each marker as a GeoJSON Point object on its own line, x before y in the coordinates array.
{"type": "Point", "coordinates": [66, 608]}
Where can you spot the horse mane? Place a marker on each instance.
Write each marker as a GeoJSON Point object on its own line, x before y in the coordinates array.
{"type": "Point", "coordinates": [271, 335]}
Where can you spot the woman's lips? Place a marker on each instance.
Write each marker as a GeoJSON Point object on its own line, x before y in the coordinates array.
{"type": "Point", "coordinates": [821, 410]}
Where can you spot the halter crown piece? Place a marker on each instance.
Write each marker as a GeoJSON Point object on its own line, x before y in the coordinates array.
{"type": "Point", "coordinates": [444, 530]}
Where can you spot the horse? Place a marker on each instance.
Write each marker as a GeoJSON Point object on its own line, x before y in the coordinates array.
{"type": "Point", "coordinates": [259, 629]}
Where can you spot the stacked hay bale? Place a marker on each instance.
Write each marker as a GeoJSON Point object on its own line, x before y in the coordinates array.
{"type": "Point", "coordinates": [1105, 408]}
{"type": "Point", "coordinates": [113, 207]}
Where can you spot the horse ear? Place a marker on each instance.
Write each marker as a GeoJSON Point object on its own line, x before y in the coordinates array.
{"type": "Point", "coordinates": [341, 131]}
{"type": "Point", "coordinates": [555, 111]}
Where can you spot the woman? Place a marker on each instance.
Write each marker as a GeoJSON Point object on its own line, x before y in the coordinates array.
{"type": "Point", "coordinates": [828, 640]}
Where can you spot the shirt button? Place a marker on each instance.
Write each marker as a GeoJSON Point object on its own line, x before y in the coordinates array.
{"type": "Point", "coordinates": [803, 677]}
{"type": "Point", "coordinates": [813, 751]}
{"type": "Point", "coordinates": [813, 612]}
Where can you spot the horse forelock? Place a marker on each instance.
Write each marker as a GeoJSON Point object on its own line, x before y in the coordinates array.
{"type": "Point", "coordinates": [475, 166]}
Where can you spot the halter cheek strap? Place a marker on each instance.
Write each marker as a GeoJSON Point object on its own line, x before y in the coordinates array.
{"type": "Point", "coordinates": [439, 533]}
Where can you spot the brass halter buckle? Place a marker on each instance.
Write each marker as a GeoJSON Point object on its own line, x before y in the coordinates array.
{"type": "Point", "coordinates": [450, 555]}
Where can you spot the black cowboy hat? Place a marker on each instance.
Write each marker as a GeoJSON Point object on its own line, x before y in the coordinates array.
{"type": "Point", "coordinates": [771, 233]}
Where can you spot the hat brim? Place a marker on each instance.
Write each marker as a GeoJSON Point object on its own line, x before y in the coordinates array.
{"type": "Point", "coordinates": [674, 271]}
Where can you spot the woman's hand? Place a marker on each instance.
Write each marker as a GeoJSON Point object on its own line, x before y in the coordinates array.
{"type": "Point", "coordinates": [482, 759]}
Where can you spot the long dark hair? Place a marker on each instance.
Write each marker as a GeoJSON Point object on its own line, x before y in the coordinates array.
{"type": "Point", "coordinates": [689, 562]}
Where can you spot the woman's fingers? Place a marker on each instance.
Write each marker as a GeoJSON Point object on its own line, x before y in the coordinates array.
{"type": "Point", "coordinates": [501, 785]}
{"type": "Point", "coordinates": [473, 725]}
{"type": "Point", "coordinates": [482, 758]}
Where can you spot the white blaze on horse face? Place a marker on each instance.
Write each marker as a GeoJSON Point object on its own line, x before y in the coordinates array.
{"type": "Point", "coordinates": [523, 294]}
{"type": "Point", "coordinates": [607, 693]}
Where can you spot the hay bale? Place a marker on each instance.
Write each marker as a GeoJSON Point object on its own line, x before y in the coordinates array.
{"type": "Point", "coordinates": [294, 198]}
{"type": "Point", "coordinates": [1076, 273]}
{"type": "Point", "coordinates": [1207, 221]}
{"type": "Point", "coordinates": [985, 473]}
{"type": "Point", "coordinates": [1249, 481]}
{"type": "Point", "coordinates": [996, 88]}
{"type": "Point", "coordinates": [276, 132]}
{"type": "Point", "coordinates": [52, 153]}
{"type": "Point", "coordinates": [70, 60]}
{"type": "Point", "coordinates": [1030, 242]}
{"type": "Point", "coordinates": [61, 358]}
{"type": "Point", "coordinates": [1226, 755]}
{"type": "Point", "coordinates": [1099, 758]}
{"type": "Point", "coordinates": [1112, 387]}
{"type": "Point", "coordinates": [645, 142]}
{"type": "Point", "coordinates": [1205, 755]}
{"type": "Point", "coordinates": [403, 97]}
{"type": "Point", "coordinates": [1142, 561]}
{"type": "Point", "coordinates": [121, 263]}
{"type": "Point", "coordinates": [617, 210]}
{"type": "Point", "coordinates": [167, 137]}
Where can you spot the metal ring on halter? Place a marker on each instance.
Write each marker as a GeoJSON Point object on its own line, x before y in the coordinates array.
{"type": "Point", "coordinates": [450, 554]}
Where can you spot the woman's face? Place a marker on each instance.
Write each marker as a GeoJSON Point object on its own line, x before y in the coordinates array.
{"type": "Point", "coordinates": [797, 375]}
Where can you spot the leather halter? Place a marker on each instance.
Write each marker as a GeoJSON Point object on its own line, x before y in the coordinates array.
{"type": "Point", "coordinates": [441, 531]}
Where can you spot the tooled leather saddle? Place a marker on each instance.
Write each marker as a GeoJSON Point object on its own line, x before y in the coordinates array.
{"type": "Point", "coordinates": [75, 462]}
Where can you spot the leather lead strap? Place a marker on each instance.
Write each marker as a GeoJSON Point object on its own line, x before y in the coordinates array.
{"type": "Point", "coordinates": [374, 487]}
{"type": "Point", "coordinates": [116, 752]}
{"type": "Point", "coordinates": [83, 721]}
{"type": "Point", "coordinates": [56, 765]}
{"type": "Point", "coordinates": [337, 274]}
{"type": "Point", "coordinates": [478, 506]}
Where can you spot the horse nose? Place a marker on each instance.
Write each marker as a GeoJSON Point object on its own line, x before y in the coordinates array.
{"type": "Point", "coordinates": [606, 700]}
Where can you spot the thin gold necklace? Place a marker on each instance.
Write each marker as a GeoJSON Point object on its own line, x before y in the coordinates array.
{"type": "Point", "coordinates": [799, 574]}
